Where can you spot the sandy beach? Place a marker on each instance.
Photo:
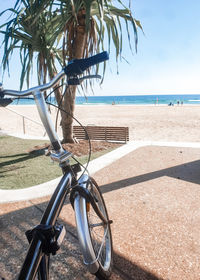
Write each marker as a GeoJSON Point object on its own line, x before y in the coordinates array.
{"type": "Point", "coordinates": [156, 123]}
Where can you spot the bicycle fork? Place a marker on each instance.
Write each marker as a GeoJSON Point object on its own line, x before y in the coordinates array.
{"type": "Point", "coordinates": [79, 198]}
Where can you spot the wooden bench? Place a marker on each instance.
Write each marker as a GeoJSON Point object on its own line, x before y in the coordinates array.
{"type": "Point", "coordinates": [103, 133]}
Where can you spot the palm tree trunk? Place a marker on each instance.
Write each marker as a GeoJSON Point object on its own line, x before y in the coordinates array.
{"type": "Point", "coordinates": [67, 118]}
{"type": "Point", "coordinates": [70, 94]}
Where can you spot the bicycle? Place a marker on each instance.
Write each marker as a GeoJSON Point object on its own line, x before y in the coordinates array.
{"type": "Point", "coordinates": [92, 221]}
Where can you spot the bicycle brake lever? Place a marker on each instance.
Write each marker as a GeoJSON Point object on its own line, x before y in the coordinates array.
{"type": "Point", "coordinates": [89, 77]}
{"type": "Point", "coordinates": [77, 81]}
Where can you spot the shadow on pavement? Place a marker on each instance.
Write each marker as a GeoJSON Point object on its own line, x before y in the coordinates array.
{"type": "Point", "coordinates": [187, 172]}
{"type": "Point", "coordinates": [67, 264]}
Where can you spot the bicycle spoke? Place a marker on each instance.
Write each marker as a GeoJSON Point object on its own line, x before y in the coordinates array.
{"type": "Point", "coordinates": [96, 225]}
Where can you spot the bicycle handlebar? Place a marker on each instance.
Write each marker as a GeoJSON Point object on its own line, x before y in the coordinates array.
{"type": "Point", "coordinates": [78, 66]}
{"type": "Point", "coordinates": [37, 88]}
{"type": "Point", "coordinates": [74, 68]}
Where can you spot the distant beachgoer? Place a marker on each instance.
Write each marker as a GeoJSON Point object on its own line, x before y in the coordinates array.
{"type": "Point", "coordinates": [181, 102]}
{"type": "Point", "coordinates": [157, 101]}
{"type": "Point", "coordinates": [178, 102]}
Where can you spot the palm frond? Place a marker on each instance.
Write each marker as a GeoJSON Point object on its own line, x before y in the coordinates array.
{"type": "Point", "coordinates": [48, 29]}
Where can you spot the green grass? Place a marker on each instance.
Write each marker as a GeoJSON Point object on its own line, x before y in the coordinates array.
{"type": "Point", "coordinates": [20, 169]}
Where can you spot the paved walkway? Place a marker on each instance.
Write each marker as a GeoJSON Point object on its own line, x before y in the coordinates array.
{"type": "Point", "coordinates": [153, 196]}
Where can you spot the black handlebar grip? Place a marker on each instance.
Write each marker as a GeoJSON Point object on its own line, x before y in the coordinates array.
{"type": "Point", "coordinates": [78, 66]}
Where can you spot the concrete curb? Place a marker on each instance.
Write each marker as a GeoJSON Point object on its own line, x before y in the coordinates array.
{"type": "Point", "coordinates": [48, 187]}
{"type": "Point", "coordinates": [94, 166]}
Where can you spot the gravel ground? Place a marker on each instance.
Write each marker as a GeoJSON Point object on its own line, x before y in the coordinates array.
{"type": "Point", "coordinates": [153, 197]}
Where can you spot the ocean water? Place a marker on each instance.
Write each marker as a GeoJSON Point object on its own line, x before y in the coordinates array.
{"type": "Point", "coordinates": [128, 100]}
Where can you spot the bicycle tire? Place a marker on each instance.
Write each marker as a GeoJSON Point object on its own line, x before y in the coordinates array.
{"type": "Point", "coordinates": [94, 236]}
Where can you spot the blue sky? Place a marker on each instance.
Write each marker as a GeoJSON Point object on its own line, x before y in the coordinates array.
{"type": "Point", "coordinates": [168, 57]}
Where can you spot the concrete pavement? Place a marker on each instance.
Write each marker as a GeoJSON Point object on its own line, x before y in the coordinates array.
{"type": "Point", "coordinates": [153, 197]}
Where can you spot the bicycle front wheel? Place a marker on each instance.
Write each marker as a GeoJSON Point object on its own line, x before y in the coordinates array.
{"type": "Point", "coordinates": [94, 234]}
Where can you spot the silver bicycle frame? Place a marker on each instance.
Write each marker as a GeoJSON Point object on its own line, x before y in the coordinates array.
{"type": "Point", "coordinates": [46, 120]}
{"type": "Point", "coordinates": [60, 154]}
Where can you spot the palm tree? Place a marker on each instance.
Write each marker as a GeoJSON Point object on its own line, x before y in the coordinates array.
{"type": "Point", "coordinates": [61, 30]}
{"type": "Point", "coordinates": [30, 31]}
